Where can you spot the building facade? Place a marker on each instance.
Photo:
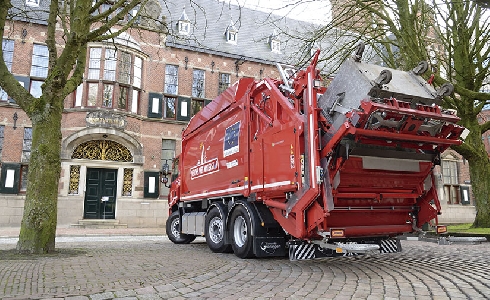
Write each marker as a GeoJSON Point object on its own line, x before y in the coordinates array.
{"type": "Point", "coordinates": [125, 120]}
{"type": "Point", "coordinates": [139, 91]}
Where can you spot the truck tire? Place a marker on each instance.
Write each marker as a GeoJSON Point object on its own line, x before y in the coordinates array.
{"type": "Point", "coordinates": [173, 230]}
{"type": "Point", "coordinates": [214, 229]}
{"type": "Point", "coordinates": [241, 233]}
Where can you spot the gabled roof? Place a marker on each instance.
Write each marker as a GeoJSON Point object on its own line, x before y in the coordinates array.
{"type": "Point", "coordinates": [210, 18]}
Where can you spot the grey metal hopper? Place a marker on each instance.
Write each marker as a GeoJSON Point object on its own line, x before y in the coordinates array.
{"type": "Point", "coordinates": [357, 81]}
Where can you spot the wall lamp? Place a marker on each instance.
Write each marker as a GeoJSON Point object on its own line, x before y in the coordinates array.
{"type": "Point", "coordinates": [24, 34]}
{"type": "Point", "coordinates": [15, 117]}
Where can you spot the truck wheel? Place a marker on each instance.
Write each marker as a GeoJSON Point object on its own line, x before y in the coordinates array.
{"type": "Point", "coordinates": [240, 232]}
{"type": "Point", "coordinates": [215, 232]}
{"type": "Point", "coordinates": [173, 230]}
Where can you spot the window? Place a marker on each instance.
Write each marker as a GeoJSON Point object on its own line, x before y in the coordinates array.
{"type": "Point", "coordinates": [94, 63]}
{"type": "Point", "coordinates": [3, 95]}
{"type": "Point", "coordinates": [78, 95]}
{"type": "Point", "coordinates": [184, 27]}
{"type": "Point", "coordinates": [450, 180]}
{"type": "Point", "coordinates": [108, 95]}
{"type": "Point", "coordinates": [169, 107]}
{"type": "Point", "coordinates": [232, 37]}
{"type": "Point", "coordinates": [135, 101]}
{"type": "Point", "coordinates": [276, 46]}
{"type": "Point", "coordinates": [450, 172]}
{"type": "Point", "coordinates": [74, 179]}
{"type": "Point", "coordinates": [168, 154]}
{"type": "Point", "coordinates": [93, 90]}
{"type": "Point", "coordinates": [122, 102]}
{"type": "Point", "coordinates": [184, 24]}
{"type": "Point", "coordinates": [24, 170]}
{"type": "Point", "coordinates": [110, 65]}
{"type": "Point", "coordinates": [125, 68]}
{"type": "Point", "coordinates": [224, 82]}
{"type": "Point", "coordinates": [8, 55]}
{"type": "Point", "coordinates": [231, 33]}
{"type": "Point", "coordinates": [2, 129]}
{"type": "Point", "coordinates": [274, 42]}
{"type": "Point", "coordinates": [137, 72]}
{"type": "Point", "coordinates": [34, 3]}
{"type": "Point", "coordinates": [35, 89]}
{"type": "Point", "coordinates": [127, 188]}
{"type": "Point", "coordinates": [120, 71]}
{"type": "Point", "coordinates": [171, 80]}
{"type": "Point", "coordinates": [197, 105]}
{"type": "Point", "coordinates": [26, 147]}
{"type": "Point", "coordinates": [198, 83]}
{"type": "Point", "coordinates": [40, 61]}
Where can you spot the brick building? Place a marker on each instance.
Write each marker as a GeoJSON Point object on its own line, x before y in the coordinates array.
{"type": "Point", "coordinates": [139, 91]}
{"type": "Point", "coordinates": [125, 120]}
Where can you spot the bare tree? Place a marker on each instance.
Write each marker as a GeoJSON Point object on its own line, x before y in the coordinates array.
{"type": "Point", "coordinates": [81, 21]}
{"type": "Point", "coordinates": [454, 37]}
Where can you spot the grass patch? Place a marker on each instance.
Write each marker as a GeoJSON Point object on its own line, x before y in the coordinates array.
{"type": "Point", "coordinates": [466, 228]}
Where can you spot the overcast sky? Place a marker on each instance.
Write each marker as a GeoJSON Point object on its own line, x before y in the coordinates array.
{"type": "Point", "coordinates": [317, 11]}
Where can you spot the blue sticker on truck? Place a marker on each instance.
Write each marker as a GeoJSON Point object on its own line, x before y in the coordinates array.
{"type": "Point", "coordinates": [231, 145]}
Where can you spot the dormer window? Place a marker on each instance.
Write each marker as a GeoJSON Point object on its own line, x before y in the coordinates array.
{"type": "Point", "coordinates": [275, 43]}
{"type": "Point", "coordinates": [32, 3]}
{"type": "Point", "coordinates": [184, 24]}
{"type": "Point", "coordinates": [231, 34]}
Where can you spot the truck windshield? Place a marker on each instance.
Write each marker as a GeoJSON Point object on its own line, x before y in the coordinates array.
{"type": "Point", "coordinates": [175, 168]}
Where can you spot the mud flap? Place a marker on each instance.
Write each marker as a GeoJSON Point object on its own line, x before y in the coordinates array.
{"type": "Point", "coordinates": [269, 246]}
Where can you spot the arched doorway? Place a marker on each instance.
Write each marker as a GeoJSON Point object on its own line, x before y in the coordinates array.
{"type": "Point", "coordinates": [101, 183]}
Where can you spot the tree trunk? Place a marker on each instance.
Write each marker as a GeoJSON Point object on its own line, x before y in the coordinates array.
{"type": "Point", "coordinates": [38, 229]}
{"type": "Point", "coordinates": [480, 183]}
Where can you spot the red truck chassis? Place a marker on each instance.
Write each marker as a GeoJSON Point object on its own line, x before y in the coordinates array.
{"type": "Point", "coordinates": [272, 165]}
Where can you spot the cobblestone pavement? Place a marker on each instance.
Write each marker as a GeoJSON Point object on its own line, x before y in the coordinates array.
{"type": "Point", "coordinates": [151, 267]}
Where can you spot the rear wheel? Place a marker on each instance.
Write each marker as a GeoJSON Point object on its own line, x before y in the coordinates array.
{"type": "Point", "coordinates": [215, 231]}
{"type": "Point", "coordinates": [241, 233]}
{"type": "Point", "coordinates": [173, 230]}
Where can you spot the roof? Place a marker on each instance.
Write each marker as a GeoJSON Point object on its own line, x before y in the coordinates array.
{"type": "Point", "coordinates": [211, 18]}
{"type": "Point", "coordinates": [32, 11]}
{"type": "Point", "coordinates": [209, 21]}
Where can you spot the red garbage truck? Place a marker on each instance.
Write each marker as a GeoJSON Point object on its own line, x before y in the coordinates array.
{"type": "Point", "coordinates": [288, 166]}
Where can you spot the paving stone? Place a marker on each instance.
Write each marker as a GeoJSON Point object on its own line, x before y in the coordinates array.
{"type": "Point", "coordinates": [142, 268]}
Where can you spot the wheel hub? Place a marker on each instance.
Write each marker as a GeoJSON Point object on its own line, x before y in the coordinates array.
{"type": "Point", "coordinates": [240, 231]}
{"type": "Point", "coordinates": [216, 230]}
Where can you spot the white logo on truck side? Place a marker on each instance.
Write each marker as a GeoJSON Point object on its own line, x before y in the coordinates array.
{"type": "Point", "coordinates": [204, 169]}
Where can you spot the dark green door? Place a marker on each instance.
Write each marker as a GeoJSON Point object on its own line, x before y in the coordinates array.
{"type": "Point", "coordinates": [100, 195]}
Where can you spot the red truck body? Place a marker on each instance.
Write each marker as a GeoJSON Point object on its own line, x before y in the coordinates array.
{"type": "Point", "coordinates": [272, 165]}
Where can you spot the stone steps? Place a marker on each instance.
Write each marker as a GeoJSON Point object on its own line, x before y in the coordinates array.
{"type": "Point", "coordinates": [99, 224]}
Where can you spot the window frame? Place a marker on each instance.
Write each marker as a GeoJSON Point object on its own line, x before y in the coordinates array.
{"type": "Point", "coordinates": [94, 64]}
{"type": "Point", "coordinates": [198, 80]}
{"type": "Point", "coordinates": [194, 102]}
{"type": "Point", "coordinates": [26, 145]}
{"type": "Point", "coordinates": [8, 53]}
{"type": "Point", "coordinates": [222, 85]}
{"type": "Point", "coordinates": [165, 107]}
{"type": "Point", "coordinates": [171, 84]}
{"type": "Point", "coordinates": [124, 68]}
{"type": "Point", "coordinates": [39, 61]}
{"type": "Point", "coordinates": [108, 102]}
